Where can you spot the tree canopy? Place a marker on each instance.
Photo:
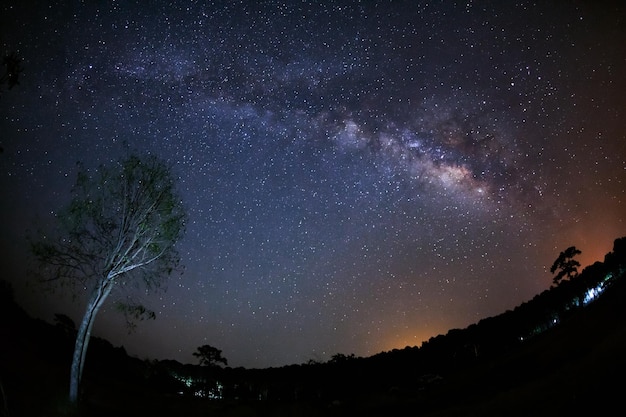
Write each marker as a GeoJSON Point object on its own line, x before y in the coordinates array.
{"type": "Point", "coordinates": [12, 65]}
{"type": "Point", "coordinates": [566, 265]}
{"type": "Point", "coordinates": [121, 224]}
{"type": "Point", "coordinates": [210, 356]}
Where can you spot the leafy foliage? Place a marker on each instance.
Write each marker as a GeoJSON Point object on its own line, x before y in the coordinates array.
{"type": "Point", "coordinates": [121, 223]}
{"type": "Point", "coordinates": [566, 265]}
{"type": "Point", "coordinates": [134, 313]}
{"type": "Point", "coordinates": [12, 65]}
{"type": "Point", "coordinates": [210, 356]}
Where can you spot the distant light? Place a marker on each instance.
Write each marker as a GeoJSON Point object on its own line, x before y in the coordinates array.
{"type": "Point", "coordinates": [593, 293]}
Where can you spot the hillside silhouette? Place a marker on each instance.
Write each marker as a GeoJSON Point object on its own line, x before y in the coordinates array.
{"type": "Point", "coordinates": [559, 353]}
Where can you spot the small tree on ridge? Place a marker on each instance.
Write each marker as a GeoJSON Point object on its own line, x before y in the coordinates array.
{"type": "Point", "coordinates": [210, 356]}
{"type": "Point", "coordinates": [566, 265]}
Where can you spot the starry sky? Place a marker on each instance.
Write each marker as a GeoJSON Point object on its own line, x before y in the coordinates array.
{"type": "Point", "coordinates": [359, 176]}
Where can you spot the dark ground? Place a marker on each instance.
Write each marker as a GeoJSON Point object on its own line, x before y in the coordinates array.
{"type": "Point", "coordinates": [576, 368]}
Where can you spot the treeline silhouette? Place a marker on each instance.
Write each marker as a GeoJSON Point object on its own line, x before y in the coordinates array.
{"type": "Point", "coordinates": [483, 360]}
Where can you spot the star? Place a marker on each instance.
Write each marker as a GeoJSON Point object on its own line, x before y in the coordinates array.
{"type": "Point", "coordinates": [358, 177]}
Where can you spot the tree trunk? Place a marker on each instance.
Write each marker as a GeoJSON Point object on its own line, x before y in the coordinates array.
{"type": "Point", "coordinates": [100, 293]}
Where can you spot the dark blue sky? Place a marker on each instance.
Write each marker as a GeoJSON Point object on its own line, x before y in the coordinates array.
{"type": "Point", "coordinates": [359, 176]}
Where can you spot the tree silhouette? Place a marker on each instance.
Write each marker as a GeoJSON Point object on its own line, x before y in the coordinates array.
{"type": "Point", "coordinates": [566, 265]}
{"type": "Point", "coordinates": [120, 226]}
{"type": "Point", "coordinates": [12, 64]}
{"type": "Point", "coordinates": [341, 358]}
{"type": "Point", "coordinates": [210, 356]}
{"type": "Point", "coordinates": [11, 67]}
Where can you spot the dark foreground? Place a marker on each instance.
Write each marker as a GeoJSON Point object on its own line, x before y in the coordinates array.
{"type": "Point", "coordinates": [576, 368]}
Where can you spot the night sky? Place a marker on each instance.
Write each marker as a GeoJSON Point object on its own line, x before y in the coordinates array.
{"type": "Point", "coordinates": [359, 176]}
